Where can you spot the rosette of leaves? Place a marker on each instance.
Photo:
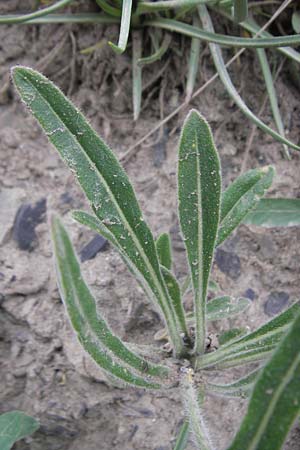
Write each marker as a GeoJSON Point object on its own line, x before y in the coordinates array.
{"type": "Point", "coordinates": [208, 215]}
{"type": "Point", "coordinates": [190, 18]}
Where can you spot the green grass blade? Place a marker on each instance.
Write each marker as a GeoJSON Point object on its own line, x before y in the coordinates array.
{"type": "Point", "coordinates": [15, 425]}
{"type": "Point", "coordinates": [275, 401]}
{"type": "Point", "coordinates": [275, 212]}
{"type": "Point", "coordinates": [296, 21]}
{"type": "Point", "coordinates": [10, 19]}
{"type": "Point", "coordinates": [240, 9]}
{"type": "Point", "coordinates": [221, 39]}
{"type": "Point", "coordinates": [254, 346]}
{"type": "Point", "coordinates": [241, 197]}
{"type": "Point", "coordinates": [194, 412]}
{"type": "Point", "coordinates": [125, 26]}
{"type": "Point", "coordinates": [239, 388]}
{"type": "Point", "coordinates": [111, 10]}
{"type": "Point", "coordinates": [151, 7]}
{"type": "Point", "coordinates": [137, 37]}
{"type": "Point", "coordinates": [175, 296]}
{"type": "Point", "coordinates": [223, 307]}
{"type": "Point", "coordinates": [158, 54]}
{"type": "Point", "coordinates": [81, 307]}
{"type": "Point", "coordinates": [101, 177]}
{"type": "Point", "coordinates": [183, 437]}
{"type": "Point", "coordinates": [199, 189]}
{"type": "Point", "coordinates": [272, 95]}
{"type": "Point", "coordinates": [231, 90]}
{"type": "Point", "coordinates": [69, 18]}
{"type": "Point", "coordinates": [163, 248]}
{"type": "Point", "coordinates": [193, 64]}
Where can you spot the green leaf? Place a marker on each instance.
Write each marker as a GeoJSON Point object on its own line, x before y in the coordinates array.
{"type": "Point", "coordinates": [275, 212]}
{"type": "Point", "coordinates": [199, 189]}
{"type": "Point", "coordinates": [221, 39]}
{"type": "Point", "coordinates": [34, 15]}
{"type": "Point", "coordinates": [275, 401]}
{"type": "Point", "coordinates": [175, 296]}
{"type": "Point", "coordinates": [231, 90]}
{"type": "Point", "coordinates": [158, 54]}
{"type": "Point", "coordinates": [296, 21]}
{"type": "Point", "coordinates": [125, 26]}
{"type": "Point", "coordinates": [240, 8]}
{"type": "Point", "coordinates": [163, 248]}
{"type": "Point", "coordinates": [224, 307]}
{"type": "Point", "coordinates": [255, 346]}
{"type": "Point", "coordinates": [183, 437]}
{"type": "Point", "coordinates": [101, 177]}
{"type": "Point", "coordinates": [15, 425]}
{"type": "Point", "coordinates": [266, 71]}
{"type": "Point", "coordinates": [193, 64]}
{"type": "Point", "coordinates": [91, 328]}
{"type": "Point", "coordinates": [137, 38]}
{"type": "Point", "coordinates": [111, 10]}
{"type": "Point", "coordinates": [241, 197]}
{"type": "Point", "coordinates": [230, 335]}
{"type": "Point", "coordinates": [239, 388]}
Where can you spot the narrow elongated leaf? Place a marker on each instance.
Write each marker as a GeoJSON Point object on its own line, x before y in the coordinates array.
{"type": "Point", "coordinates": [275, 212]}
{"type": "Point", "coordinates": [125, 26]}
{"type": "Point", "coordinates": [163, 247]}
{"type": "Point", "coordinates": [34, 15]}
{"type": "Point", "coordinates": [193, 64]}
{"type": "Point", "coordinates": [240, 8]}
{"type": "Point", "coordinates": [239, 388]}
{"type": "Point", "coordinates": [224, 307]}
{"type": "Point", "coordinates": [255, 346]}
{"type": "Point", "coordinates": [175, 296]}
{"type": "Point", "coordinates": [231, 335]}
{"type": "Point", "coordinates": [93, 331]}
{"type": "Point", "coordinates": [267, 74]}
{"type": "Point", "coordinates": [101, 177]}
{"type": "Point", "coordinates": [296, 21]}
{"type": "Point", "coordinates": [275, 401]}
{"type": "Point", "coordinates": [111, 10]}
{"type": "Point", "coordinates": [222, 39]}
{"type": "Point", "coordinates": [183, 437]}
{"type": "Point", "coordinates": [241, 197]}
{"type": "Point", "coordinates": [231, 90]}
{"type": "Point", "coordinates": [137, 38]}
{"type": "Point", "coordinates": [15, 425]}
{"type": "Point", "coordinates": [199, 188]}
{"type": "Point", "coordinates": [158, 54]}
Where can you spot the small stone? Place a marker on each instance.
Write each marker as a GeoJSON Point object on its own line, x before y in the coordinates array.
{"type": "Point", "coordinates": [90, 250]}
{"type": "Point", "coordinates": [27, 218]}
{"type": "Point", "coordinates": [276, 302]}
{"type": "Point", "coordinates": [249, 293]}
{"type": "Point", "coordinates": [229, 263]}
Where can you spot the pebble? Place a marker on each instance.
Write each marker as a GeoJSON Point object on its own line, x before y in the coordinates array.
{"type": "Point", "coordinates": [250, 293]}
{"type": "Point", "coordinates": [229, 263]}
{"type": "Point", "coordinates": [27, 218]}
{"type": "Point", "coordinates": [276, 302]}
{"type": "Point", "coordinates": [90, 250]}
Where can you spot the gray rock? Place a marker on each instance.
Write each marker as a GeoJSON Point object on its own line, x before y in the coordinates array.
{"type": "Point", "coordinates": [27, 218]}
{"type": "Point", "coordinates": [229, 263]}
{"type": "Point", "coordinates": [276, 302]}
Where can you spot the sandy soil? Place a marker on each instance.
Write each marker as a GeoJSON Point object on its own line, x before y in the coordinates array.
{"type": "Point", "coordinates": [43, 370]}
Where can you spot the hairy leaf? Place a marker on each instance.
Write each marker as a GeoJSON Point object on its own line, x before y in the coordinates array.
{"type": "Point", "coordinates": [224, 307]}
{"type": "Point", "coordinates": [241, 197]}
{"type": "Point", "coordinates": [15, 425]}
{"type": "Point", "coordinates": [239, 388]}
{"type": "Point", "coordinates": [183, 437]}
{"type": "Point", "coordinates": [199, 188]}
{"type": "Point", "coordinates": [163, 247]}
{"type": "Point", "coordinates": [92, 330]}
{"type": "Point", "coordinates": [275, 212]}
{"type": "Point", "coordinates": [275, 401]}
{"type": "Point", "coordinates": [101, 177]}
{"type": "Point", "coordinates": [255, 346]}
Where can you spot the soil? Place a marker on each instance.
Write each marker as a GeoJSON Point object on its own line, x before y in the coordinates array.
{"type": "Point", "coordinates": [43, 370]}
